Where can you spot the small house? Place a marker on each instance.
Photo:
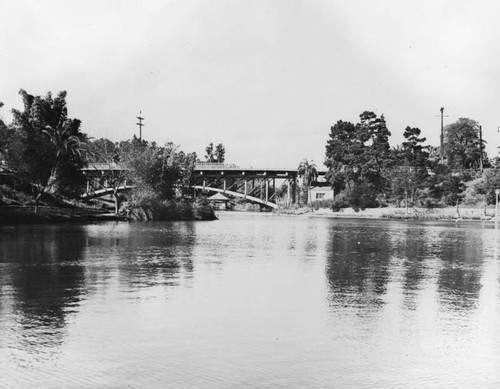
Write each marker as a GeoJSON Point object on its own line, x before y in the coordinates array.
{"type": "Point", "coordinates": [321, 193]}
{"type": "Point", "coordinates": [219, 201]}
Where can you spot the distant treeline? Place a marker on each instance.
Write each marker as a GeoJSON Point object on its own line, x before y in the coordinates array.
{"type": "Point", "coordinates": [366, 172]}
{"type": "Point", "coordinates": [43, 152]}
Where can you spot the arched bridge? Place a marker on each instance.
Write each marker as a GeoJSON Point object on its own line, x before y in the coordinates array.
{"type": "Point", "coordinates": [266, 186]}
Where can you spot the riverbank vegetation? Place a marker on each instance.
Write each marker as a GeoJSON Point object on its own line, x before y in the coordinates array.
{"type": "Point", "coordinates": [44, 160]}
{"type": "Point", "coordinates": [366, 172]}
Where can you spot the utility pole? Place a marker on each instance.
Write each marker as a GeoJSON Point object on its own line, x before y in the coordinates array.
{"type": "Point", "coordinates": [442, 136]}
{"type": "Point", "coordinates": [140, 126]}
{"type": "Point", "coordinates": [481, 149]}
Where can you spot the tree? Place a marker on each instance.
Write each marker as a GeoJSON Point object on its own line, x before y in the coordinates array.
{"type": "Point", "coordinates": [118, 161]}
{"type": "Point", "coordinates": [66, 142]}
{"type": "Point", "coordinates": [413, 152]}
{"type": "Point", "coordinates": [215, 156]}
{"type": "Point", "coordinates": [309, 173]}
{"type": "Point", "coordinates": [360, 153]}
{"type": "Point", "coordinates": [50, 159]}
{"type": "Point", "coordinates": [343, 155]}
{"type": "Point", "coordinates": [167, 170]}
{"type": "Point", "coordinates": [220, 153]}
{"type": "Point", "coordinates": [410, 170]}
{"type": "Point", "coordinates": [462, 144]}
{"type": "Point", "coordinates": [5, 139]}
{"type": "Point", "coordinates": [445, 186]}
{"type": "Point", "coordinates": [376, 158]}
{"type": "Point", "coordinates": [187, 163]}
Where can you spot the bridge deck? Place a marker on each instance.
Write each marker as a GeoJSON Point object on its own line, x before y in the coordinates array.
{"type": "Point", "coordinates": [231, 170]}
{"type": "Point", "coordinates": [213, 169]}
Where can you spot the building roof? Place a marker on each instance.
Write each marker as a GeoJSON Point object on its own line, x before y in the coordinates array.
{"type": "Point", "coordinates": [218, 197]}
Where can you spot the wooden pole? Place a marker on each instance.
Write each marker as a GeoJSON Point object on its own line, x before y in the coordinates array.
{"type": "Point", "coordinates": [140, 126]}
{"type": "Point", "coordinates": [481, 149]}
{"type": "Point", "coordinates": [442, 137]}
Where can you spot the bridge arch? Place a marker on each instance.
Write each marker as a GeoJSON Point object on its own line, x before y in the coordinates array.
{"type": "Point", "coordinates": [105, 191]}
{"type": "Point", "coordinates": [237, 194]}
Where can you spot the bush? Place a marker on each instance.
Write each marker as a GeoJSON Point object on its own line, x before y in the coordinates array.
{"type": "Point", "coordinates": [154, 209]}
{"type": "Point", "coordinates": [249, 207]}
{"type": "Point", "coordinates": [340, 201]}
{"type": "Point", "coordinates": [363, 196]}
{"type": "Point", "coordinates": [317, 204]}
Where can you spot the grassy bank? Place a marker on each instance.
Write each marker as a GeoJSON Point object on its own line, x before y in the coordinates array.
{"type": "Point", "coordinates": [448, 213]}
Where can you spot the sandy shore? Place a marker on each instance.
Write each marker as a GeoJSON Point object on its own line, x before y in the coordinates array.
{"type": "Point", "coordinates": [449, 213]}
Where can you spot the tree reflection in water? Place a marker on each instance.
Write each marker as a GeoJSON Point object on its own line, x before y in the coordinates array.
{"type": "Point", "coordinates": [142, 255]}
{"type": "Point", "coordinates": [48, 270]}
{"type": "Point", "coordinates": [43, 280]}
{"type": "Point", "coordinates": [362, 260]}
{"type": "Point", "coordinates": [358, 265]}
{"type": "Point", "coordinates": [462, 261]}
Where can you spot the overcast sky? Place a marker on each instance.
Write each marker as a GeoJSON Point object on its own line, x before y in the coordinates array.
{"type": "Point", "coordinates": [265, 77]}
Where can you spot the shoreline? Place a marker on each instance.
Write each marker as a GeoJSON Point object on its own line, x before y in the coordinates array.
{"type": "Point", "coordinates": [15, 215]}
{"type": "Point", "coordinates": [393, 213]}
{"type": "Point", "coordinates": [25, 215]}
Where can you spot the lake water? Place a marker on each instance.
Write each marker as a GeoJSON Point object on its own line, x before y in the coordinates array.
{"type": "Point", "coordinates": [250, 301]}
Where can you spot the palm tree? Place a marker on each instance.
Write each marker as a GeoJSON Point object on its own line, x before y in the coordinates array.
{"type": "Point", "coordinates": [309, 173]}
{"type": "Point", "coordinates": [65, 143]}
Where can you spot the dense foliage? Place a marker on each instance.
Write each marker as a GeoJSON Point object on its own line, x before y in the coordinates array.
{"type": "Point", "coordinates": [365, 171]}
{"type": "Point", "coordinates": [215, 155]}
{"type": "Point", "coordinates": [463, 146]}
{"type": "Point", "coordinates": [42, 146]}
{"type": "Point", "coordinates": [43, 152]}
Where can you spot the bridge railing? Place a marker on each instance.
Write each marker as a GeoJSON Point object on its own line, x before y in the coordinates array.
{"type": "Point", "coordinates": [103, 166]}
{"type": "Point", "coordinates": [232, 166]}
{"type": "Point", "coordinates": [215, 166]}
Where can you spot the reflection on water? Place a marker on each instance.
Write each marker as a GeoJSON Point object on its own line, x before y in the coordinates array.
{"type": "Point", "coordinates": [250, 301]}
{"type": "Point", "coordinates": [42, 281]}
{"type": "Point", "coordinates": [358, 266]}
{"type": "Point", "coordinates": [363, 262]}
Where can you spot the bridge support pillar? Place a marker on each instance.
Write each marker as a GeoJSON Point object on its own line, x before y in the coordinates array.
{"type": "Point", "coordinates": [288, 199]}
{"type": "Point", "coordinates": [245, 188]}
{"type": "Point", "coordinates": [267, 190]}
{"type": "Point", "coordinates": [294, 191]}
{"type": "Point", "coordinates": [224, 183]}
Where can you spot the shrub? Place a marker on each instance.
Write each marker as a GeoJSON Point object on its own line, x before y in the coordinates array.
{"type": "Point", "coordinates": [363, 196]}
{"type": "Point", "coordinates": [340, 201]}
{"type": "Point", "coordinates": [317, 204]}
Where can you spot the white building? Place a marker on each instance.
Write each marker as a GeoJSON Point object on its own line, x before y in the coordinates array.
{"type": "Point", "coordinates": [321, 193]}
